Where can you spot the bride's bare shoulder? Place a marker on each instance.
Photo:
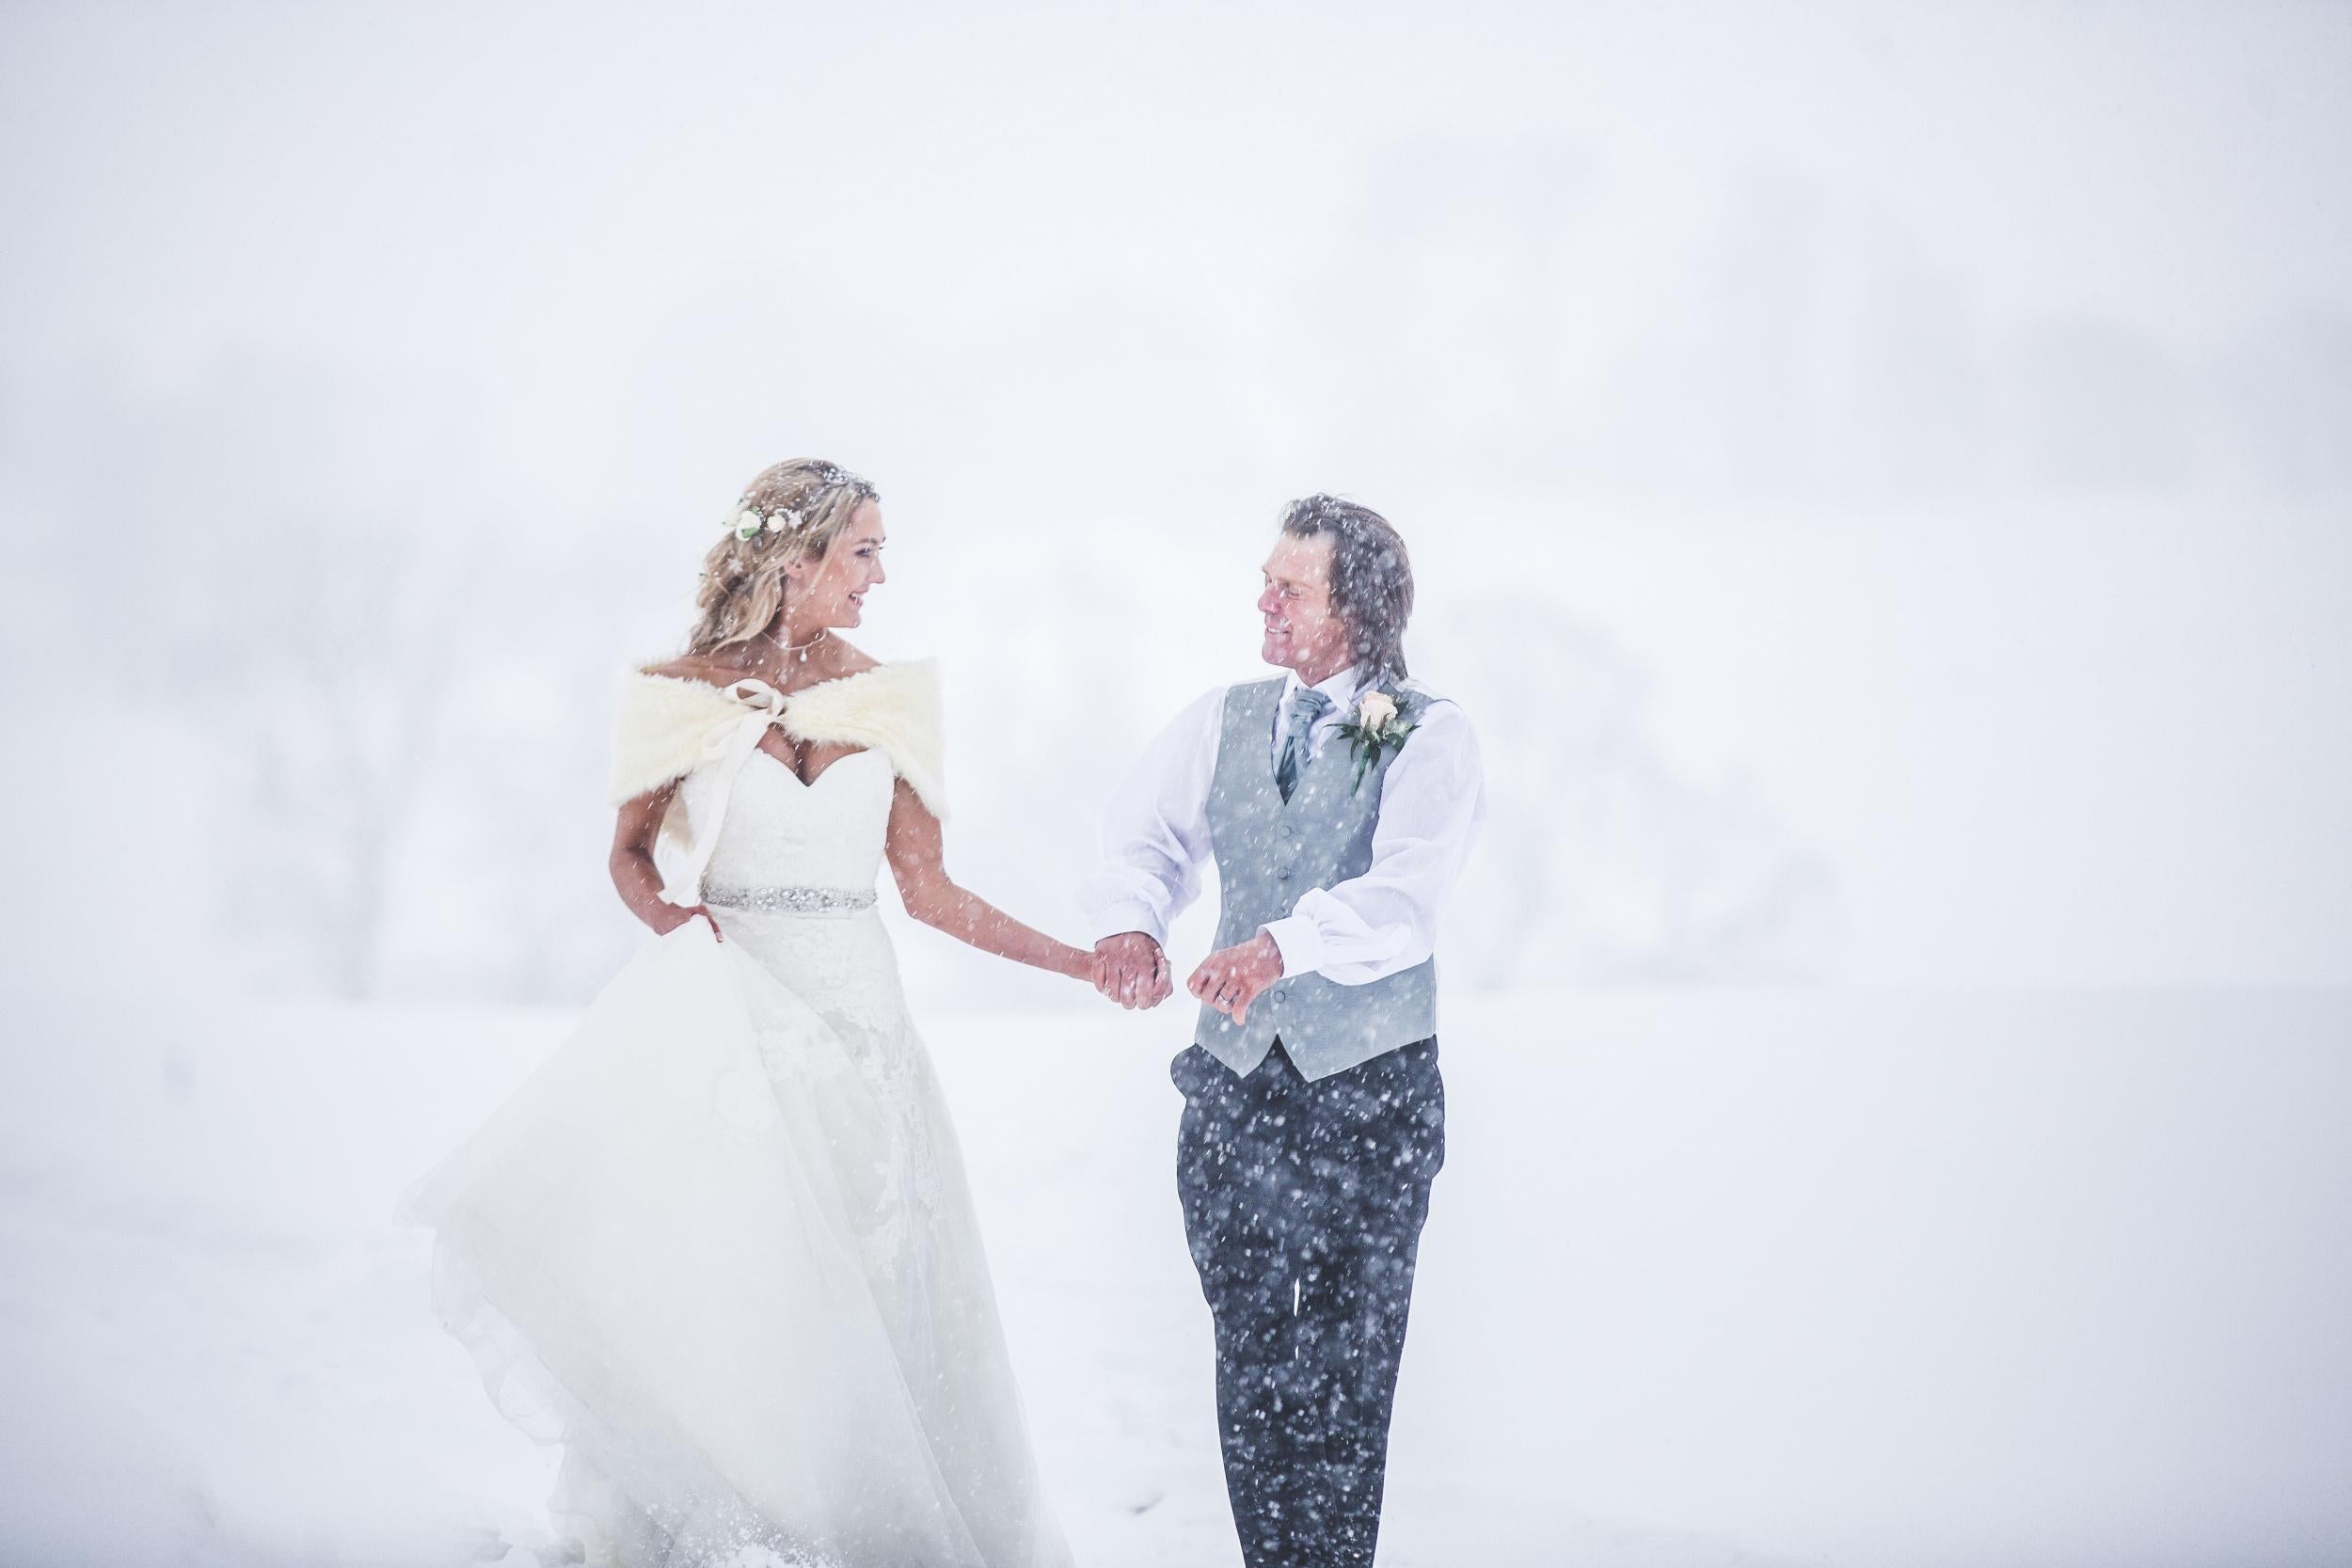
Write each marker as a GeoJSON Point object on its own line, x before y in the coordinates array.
{"type": "Point", "coordinates": [852, 660]}
{"type": "Point", "coordinates": [692, 667]}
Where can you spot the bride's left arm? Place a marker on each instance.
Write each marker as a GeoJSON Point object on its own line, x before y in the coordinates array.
{"type": "Point", "coordinates": [918, 863]}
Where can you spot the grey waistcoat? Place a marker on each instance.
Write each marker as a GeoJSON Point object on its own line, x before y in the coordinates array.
{"type": "Point", "coordinates": [1268, 852]}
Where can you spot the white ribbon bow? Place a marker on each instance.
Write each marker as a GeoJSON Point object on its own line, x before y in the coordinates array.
{"type": "Point", "coordinates": [730, 742]}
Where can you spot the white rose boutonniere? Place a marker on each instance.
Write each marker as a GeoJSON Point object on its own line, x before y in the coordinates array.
{"type": "Point", "coordinates": [1378, 726]}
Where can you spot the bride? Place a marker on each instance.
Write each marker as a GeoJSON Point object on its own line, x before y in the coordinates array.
{"type": "Point", "coordinates": [719, 1245]}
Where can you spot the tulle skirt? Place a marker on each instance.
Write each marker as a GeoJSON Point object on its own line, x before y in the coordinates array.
{"type": "Point", "coordinates": [720, 1247]}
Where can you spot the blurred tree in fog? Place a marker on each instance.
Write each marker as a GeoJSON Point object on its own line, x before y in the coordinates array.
{"type": "Point", "coordinates": [1602, 861]}
{"type": "Point", "coordinates": [276, 540]}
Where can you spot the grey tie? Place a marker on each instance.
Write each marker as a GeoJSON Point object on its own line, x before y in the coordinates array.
{"type": "Point", "coordinates": [1307, 705]}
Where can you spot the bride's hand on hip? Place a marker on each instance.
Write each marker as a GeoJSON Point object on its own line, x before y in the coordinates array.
{"type": "Point", "coordinates": [675, 915]}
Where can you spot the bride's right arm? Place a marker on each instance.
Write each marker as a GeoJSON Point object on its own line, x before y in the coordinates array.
{"type": "Point", "coordinates": [918, 864]}
{"type": "Point", "coordinates": [631, 861]}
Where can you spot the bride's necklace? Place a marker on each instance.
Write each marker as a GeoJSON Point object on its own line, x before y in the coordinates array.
{"type": "Point", "coordinates": [795, 649]}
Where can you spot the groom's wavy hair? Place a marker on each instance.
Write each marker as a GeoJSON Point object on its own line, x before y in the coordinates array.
{"type": "Point", "coordinates": [742, 579]}
{"type": "Point", "coordinates": [1372, 577]}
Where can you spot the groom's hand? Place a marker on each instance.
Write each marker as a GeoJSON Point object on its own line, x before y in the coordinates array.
{"type": "Point", "coordinates": [1130, 970]}
{"type": "Point", "coordinates": [1231, 979]}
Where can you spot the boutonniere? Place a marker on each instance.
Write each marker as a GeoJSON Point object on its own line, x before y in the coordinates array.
{"type": "Point", "coordinates": [1378, 727]}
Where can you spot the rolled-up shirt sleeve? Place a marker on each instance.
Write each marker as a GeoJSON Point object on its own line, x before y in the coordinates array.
{"type": "Point", "coordinates": [1155, 829]}
{"type": "Point", "coordinates": [1369, 927]}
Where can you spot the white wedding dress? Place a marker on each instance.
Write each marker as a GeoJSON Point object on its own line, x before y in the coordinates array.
{"type": "Point", "coordinates": [719, 1245]}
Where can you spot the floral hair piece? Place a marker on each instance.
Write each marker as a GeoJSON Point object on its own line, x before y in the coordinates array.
{"type": "Point", "coordinates": [747, 522]}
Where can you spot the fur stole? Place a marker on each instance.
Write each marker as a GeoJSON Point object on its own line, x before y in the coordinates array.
{"type": "Point", "coordinates": [660, 723]}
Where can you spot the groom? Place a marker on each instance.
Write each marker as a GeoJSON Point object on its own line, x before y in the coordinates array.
{"type": "Point", "coordinates": [1339, 801]}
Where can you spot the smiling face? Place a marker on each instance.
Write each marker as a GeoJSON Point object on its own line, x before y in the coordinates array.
{"type": "Point", "coordinates": [830, 590]}
{"type": "Point", "coordinates": [1303, 632]}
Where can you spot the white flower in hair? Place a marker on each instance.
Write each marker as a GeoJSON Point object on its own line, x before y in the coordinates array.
{"type": "Point", "coordinates": [782, 519]}
{"type": "Point", "coordinates": [745, 523]}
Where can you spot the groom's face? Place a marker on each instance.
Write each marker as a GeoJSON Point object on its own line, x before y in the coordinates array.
{"type": "Point", "coordinates": [1302, 632]}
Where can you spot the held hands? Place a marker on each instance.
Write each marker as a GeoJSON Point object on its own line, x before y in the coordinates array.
{"type": "Point", "coordinates": [1231, 979]}
{"type": "Point", "coordinates": [1130, 970]}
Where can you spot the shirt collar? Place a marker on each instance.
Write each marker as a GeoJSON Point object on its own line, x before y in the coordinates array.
{"type": "Point", "coordinates": [1340, 688]}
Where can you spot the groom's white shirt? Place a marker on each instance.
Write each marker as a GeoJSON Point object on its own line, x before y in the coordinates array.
{"type": "Point", "coordinates": [1155, 834]}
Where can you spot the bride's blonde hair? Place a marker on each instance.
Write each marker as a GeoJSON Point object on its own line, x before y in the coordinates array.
{"type": "Point", "coordinates": [742, 579]}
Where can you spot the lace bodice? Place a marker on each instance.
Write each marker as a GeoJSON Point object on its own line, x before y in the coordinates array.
{"type": "Point", "coordinates": [778, 831]}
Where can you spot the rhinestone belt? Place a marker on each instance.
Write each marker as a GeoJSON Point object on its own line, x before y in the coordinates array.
{"type": "Point", "coordinates": [790, 900]}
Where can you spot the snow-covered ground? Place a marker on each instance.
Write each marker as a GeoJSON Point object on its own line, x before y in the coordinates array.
{"type": "Point", "coordinates": [1733, 1277]}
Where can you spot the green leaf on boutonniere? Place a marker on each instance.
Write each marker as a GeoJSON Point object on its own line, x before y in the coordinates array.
{"type": "Point", "coordinates": [1366, 742]}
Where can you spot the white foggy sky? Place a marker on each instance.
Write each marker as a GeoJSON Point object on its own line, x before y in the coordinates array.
{"type": "Point", "coordinates": [451, 185]}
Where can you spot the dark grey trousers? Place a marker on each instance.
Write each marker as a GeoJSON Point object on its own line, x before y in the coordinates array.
{"type": "Point", "coordinates": [1303, 1205]}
